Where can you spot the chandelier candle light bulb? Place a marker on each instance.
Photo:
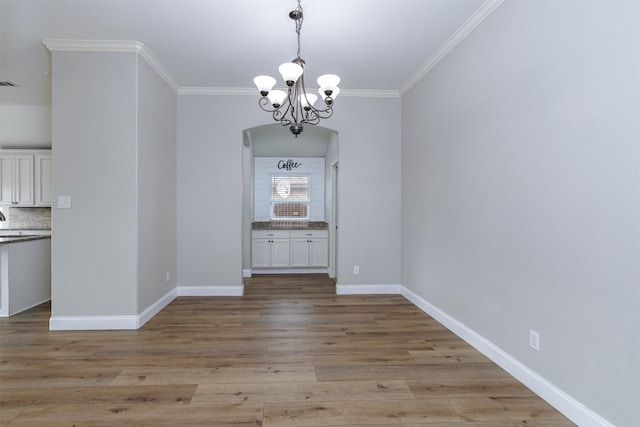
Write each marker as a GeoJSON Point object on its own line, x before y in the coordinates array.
{"type": "Point", "coordinates": [264, 84]}
{"type": "Point", "coordinates": [328, 99]}
{"type": "Point", "coordinates": [277, 97]}
{"type": "Point", "coordinates": [290, 72]}
{"type": "Point", "coordinates": [308, 100]}
{"type": "Point", "coordinates": [295, 107]}
{"type": "Point", "coordinates": [328, 83]}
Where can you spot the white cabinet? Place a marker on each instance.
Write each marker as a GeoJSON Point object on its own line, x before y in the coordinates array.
{"type": "Point", "coordinates": [25, 178]}
{"type": "Point", "coordinates": [289, 249]}
{"type": "Point", "coordinates": [270, 249]}
{"type": "Point", "coordinates": [309, 248]}
{"type": "Point", "coordinates": [42, 187]}
{"type": "Point", "coordinates": [16, 175]}
{"type": "Point", "coordinates": [26, 275]}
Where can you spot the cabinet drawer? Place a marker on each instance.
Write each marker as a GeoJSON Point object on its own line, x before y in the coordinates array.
{"type": "Point", "coordinates": [308, 234]}
{"type": "Point", "coordinates": [270, 234]}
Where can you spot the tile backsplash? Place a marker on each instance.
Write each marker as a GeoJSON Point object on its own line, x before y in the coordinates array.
{"type": "Point", "coordinates": [26, 217]}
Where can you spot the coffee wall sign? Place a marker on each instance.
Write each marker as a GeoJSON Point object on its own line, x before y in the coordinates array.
{"type": "Point", "coordinates": [288, 164]}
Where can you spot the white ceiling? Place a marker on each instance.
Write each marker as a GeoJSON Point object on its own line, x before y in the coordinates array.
{"type": "Point", "coordinates": [274, 140]}
{"type": "Point", "coordinates": [374, 45]}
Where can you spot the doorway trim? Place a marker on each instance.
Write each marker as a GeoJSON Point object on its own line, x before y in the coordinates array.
{"type": "Point", "coordinates": [333, 223]}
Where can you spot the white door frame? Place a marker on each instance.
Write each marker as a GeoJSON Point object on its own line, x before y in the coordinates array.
{"type": "Point", "coordinates": [333, 224]}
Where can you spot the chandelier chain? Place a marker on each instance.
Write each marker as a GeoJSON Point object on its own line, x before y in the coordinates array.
{"type": "Point", "coordinates": [299, 25]}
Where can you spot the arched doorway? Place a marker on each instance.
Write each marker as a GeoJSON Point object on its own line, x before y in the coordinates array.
{"type": "Point", "coordinates": [275, 141]}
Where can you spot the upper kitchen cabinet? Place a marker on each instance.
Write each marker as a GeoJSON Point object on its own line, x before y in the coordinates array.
{"type": "Point", "coordinates": [25, 178]}
{"type": "Point", "coordinates": [42, 187]}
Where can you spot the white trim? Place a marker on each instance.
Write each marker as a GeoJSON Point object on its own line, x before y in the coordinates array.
{"type": "Point", "coordinates": [156, 307]}
{"type": "Point", "coordinates": [218, 91]}
{"type": "Point", "coordinates": [460, 34]}
{"type": "Point", "coordinates": [564, 403]}
{"type": "Point", "coordinates": [211, 291]}
{"type": "Point", "coordinates": [243, 91]}
{"type": "Point", "coordinates": [148, 56]}
{"type": "Point", "coordinates": [89, 323]}
{"type": "Point", "coordinates": [246, 272]}
{"type": "Point", "coordinates": [69, 45]}
{"type": "Point", "coordinates": [118, 46]}
{"type": "Point", "coordinates": [294, 270]}
{"type": "Point", "coordinates": [368, 289]}
{"type": "Point", "coordinates": [4, 311]}
{"type": "Point", "coordinates": [369, 93]}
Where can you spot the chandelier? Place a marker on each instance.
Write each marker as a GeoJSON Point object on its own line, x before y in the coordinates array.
{"type": "Point", "coordinates": [295, 106]}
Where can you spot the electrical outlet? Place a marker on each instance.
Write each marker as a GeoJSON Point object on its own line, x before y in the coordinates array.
{"type": "Point", "coordinates": [534, 340]}
{"type": "Point", "coordinates": [168, 276]}
{"type": "Point", "coordinates": [64, 202]}
{"type": "Point", "coordinates": [356, 269]}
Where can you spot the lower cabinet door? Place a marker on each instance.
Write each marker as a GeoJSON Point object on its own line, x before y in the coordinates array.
{"type": "Point", "coordinates": [261, 253]}
{"type": "Point", "coordinates": [299, 252]}
{"type": "Point", "coordinates": [319, 253]}
{"type": "Point", "coordinates": [280, 253]}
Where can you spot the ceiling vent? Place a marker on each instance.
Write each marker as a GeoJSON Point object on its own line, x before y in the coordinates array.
{"type": "Point", "coordinates": [8, 83]}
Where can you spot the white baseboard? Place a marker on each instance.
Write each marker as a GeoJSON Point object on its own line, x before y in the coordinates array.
{"type": "Point", "coordinates": [296, 270]}
{"type": "Point", "coordinates": [90, 323]}
{"type": "Point", "coordinates": [4, 311]}
{"type": "Point", "coordinates": [246, 272]}
{"type": "Point", "coordinates": [211, 291]}
{"type": "Point", "coordinates": [156, 307]}
{"type": "Point", "coordinates": [368, 289]}
{"type": "Point", "coordinates": [564, 403]}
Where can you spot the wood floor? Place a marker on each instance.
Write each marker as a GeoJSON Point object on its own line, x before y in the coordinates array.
{"type": "Point", "coordinates": [288, 353]}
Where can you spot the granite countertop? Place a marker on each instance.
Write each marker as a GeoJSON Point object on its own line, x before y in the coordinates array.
{"type": "Point", "coordinates": [290, 225]}
{"type": "Point", "coordinates": [16, 239]}
{"type": "Point", "coordinates": [24, 228]}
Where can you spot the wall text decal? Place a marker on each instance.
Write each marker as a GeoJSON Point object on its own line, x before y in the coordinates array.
{"type": "Point", "coordinates": [288, 165]}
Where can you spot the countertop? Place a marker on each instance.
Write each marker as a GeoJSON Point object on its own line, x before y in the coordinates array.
{"type": "Point", "coordinates": [15, 228]}
{"type": "Point", "coordinates": [290, 225]}
{"type": "Point", "coordinates": [16, 239]}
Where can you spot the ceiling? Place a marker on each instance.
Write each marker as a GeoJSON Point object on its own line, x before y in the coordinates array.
{"type": "Point", "coordinates": [374, 45]}
{"type": "Point", "coordinates": [274, 140]}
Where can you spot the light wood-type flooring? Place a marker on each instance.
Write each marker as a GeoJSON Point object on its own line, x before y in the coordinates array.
{"type": "Point", "coordinates": [290, 352]}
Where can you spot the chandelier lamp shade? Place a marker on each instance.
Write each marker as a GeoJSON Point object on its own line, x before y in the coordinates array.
{"type": "Point", "coordinates": [295, 106]}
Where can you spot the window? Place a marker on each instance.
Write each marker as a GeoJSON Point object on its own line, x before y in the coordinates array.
{"type": "Point", "coordinates": [290, 198]}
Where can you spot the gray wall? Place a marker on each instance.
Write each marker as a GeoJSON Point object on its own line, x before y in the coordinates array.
{"type": "Point", "coordinates": [114, 133]}
{"type": "Point", "coordinates": [210, 187]}
{"type": "Point", "coordinates": [369, 189]}
{"type": "Point", "coordinates": [157, 186]}
{"type": "Point", "coordinates": [25, 126]}
{"type": "Point", "coordinates": [94, 248]}
{"type": "Point", "coordinates": [520, 193]}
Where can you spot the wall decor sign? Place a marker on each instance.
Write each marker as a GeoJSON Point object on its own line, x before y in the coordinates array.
{"type": "Point", "coordinates": [288, 165]}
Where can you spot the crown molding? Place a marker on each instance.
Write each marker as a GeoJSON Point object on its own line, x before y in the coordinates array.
{"type": "Point", "coordinates": [370, 93]}
{"type": "Point", "coordinates": [243, 91]}
{"type": "Point", "coordinates": [67, 45]}
{"type": "Point", "coordinates": [219, 91]}
{"type": "Point", "coordinates": [486, 9]}
{"type": "Point", "coordinates": [148, 56]}
{"type": "Point", "coordinates": [118, 46]}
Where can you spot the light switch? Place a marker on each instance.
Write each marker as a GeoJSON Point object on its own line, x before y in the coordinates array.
{"type": "Point", "coordinates": [64, 202]}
